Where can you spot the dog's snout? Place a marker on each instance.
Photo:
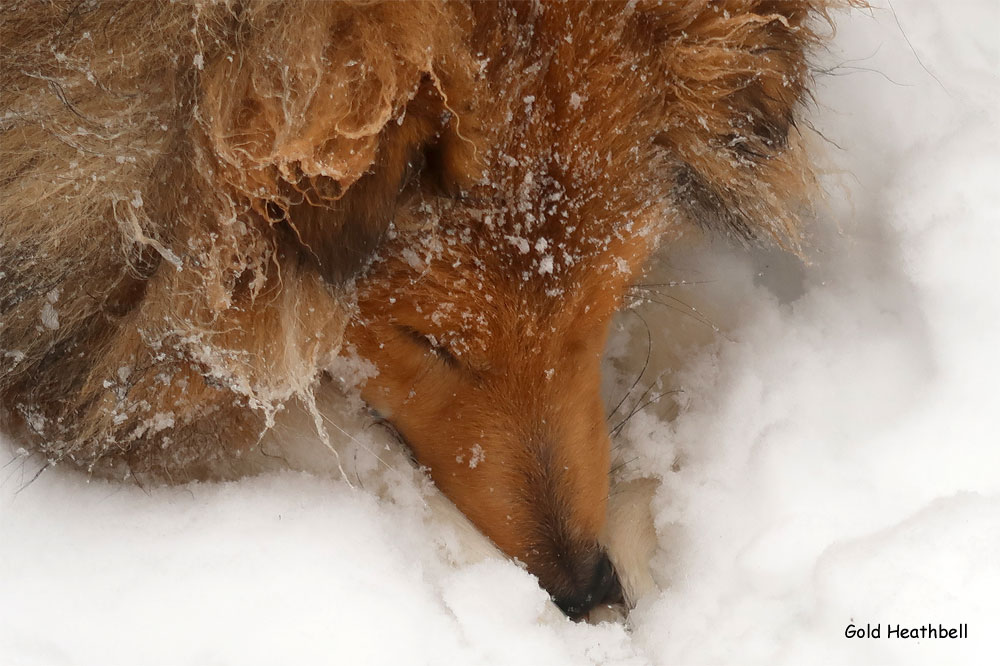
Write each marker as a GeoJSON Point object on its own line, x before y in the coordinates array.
{"type": "Point", "coordinates": [600, 588]}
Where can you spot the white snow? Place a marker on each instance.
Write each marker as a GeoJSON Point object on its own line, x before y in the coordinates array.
{"type": "Point", "coordinates": [836, 457]}
{"type": "Point", "coordinates": [477, 456]}
{"type": "Point", "coordinates": [49, 316]}
{"type": "Point", "coordinates": [520, 243]}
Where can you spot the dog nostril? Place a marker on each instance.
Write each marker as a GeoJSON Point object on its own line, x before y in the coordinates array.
{"type": "Point", "coordinates": [602, 588]}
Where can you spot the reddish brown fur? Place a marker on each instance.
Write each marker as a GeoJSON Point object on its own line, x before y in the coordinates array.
{"type": "Point", "coordinates": [191, 190]}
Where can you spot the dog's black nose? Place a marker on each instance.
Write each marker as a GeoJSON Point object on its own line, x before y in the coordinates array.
{"type": "Point", "coordinates": [603, 587]}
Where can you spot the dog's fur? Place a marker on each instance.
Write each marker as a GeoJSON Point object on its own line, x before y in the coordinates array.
{"type": "Point", "coordinates": [191, 192]}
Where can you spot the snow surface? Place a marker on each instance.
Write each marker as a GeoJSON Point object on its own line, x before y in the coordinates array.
{"type": "Point", "coordinates": [835, 459]}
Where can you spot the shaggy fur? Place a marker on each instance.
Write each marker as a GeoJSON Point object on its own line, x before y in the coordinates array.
{"type": "Point", "coordinates": [191, 190]}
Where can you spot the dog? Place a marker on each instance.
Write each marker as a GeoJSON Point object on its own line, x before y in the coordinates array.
{"type": "Point", "coordinates": [205, 204]}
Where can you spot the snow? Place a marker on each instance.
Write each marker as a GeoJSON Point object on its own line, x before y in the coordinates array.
{"type": "Point", "coordinates": [50, 318]}
{"type": "Point", "coordinates": [834, 460]}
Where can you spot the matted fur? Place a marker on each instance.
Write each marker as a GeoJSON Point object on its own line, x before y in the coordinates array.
{"type": "Point", "coordinates": [141, 145]}
{"type": "Point", "coordinates": [190, 190]}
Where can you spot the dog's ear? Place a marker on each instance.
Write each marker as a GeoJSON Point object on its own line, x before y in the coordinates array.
{"type": "Point", "coordinates": [321, 117]}
{"type": "Point", "coordinates": [731, 78]}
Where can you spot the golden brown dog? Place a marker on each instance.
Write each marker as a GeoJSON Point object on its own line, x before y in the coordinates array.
{"type": "Point", "coordinates": [204, 203]}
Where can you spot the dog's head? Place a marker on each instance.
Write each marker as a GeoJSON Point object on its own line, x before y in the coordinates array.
{"type": "Point", "coordinates": [487, 346]}
{"type": "Point", "coordinates": [518, 165]}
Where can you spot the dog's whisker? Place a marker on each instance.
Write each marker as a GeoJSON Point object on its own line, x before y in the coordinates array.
{"type": "Point", "coordinates": [356, 441]}
{"type": "Point", "coordinates": [622, 465]}
{"type": "Point", "coordinates": [645, 364]}
{"type": "Point", "coordinates": [913, 50]}
{"type": "Point", "coordinates": [654, 383]}
{"type": "Point", "coordinates": [672, 283]}
{"type": "Point", "coordinates": [33, 478]}
{"type": "Point", "coordinates": [653, 400]}
{"type": "Point", "coordinates": [687, 310]}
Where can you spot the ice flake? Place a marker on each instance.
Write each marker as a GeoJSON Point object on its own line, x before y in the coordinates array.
{"type": "Point", "coordinates": [413, 259]}
{"type": "Point", "coordinates": [161, 421]}
{"type": "Point", "coordinates": [477, 456]}
{"type": "Point", "coordinates": [50, 318]}
{"type": "Point", "coordinates": [520, 243]}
